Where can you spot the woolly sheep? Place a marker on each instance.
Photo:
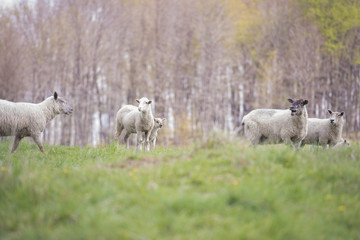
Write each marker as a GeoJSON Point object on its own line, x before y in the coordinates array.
{"type": "Point", "coordinates": [139, 120]}
{"type": "Point", "coordinates": [325, 131]}
{"type": "Point", "coordinates": [22, 119]}
{"type": "Point", "coordinates": [158, 123]}
{"type": "Point", "coordinates": [276, 126]}
{"type": "Point", "coordinates": [119, 127]}
{"type": "Point", "coordinates": [343, 143]}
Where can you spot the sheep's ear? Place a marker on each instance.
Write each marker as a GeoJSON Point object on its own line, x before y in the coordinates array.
{"type": "Point", "coordinates": [149, 102]}
{"type": "Point", "coordinates": [138, 100]}
{"type": "Point", "coordinates": [329, 111]}
{"type": "Point", "coordinates": [290, 100]}
{"type": "Point", "coordinates": [341, 114]}
{"type": "Point", "coordinates": [305, 102]}
{"type": "Point", "coordinates": [55, 95]}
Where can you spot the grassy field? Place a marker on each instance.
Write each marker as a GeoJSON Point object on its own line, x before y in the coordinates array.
{"type": "Point", "coordinates": [212, 190]}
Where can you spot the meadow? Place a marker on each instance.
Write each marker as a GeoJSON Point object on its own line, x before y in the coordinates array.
{"type": "Point", "coordinates": [211, 190]}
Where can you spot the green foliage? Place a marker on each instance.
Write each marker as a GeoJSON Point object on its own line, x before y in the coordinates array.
{"type": "Point", "coordinates": [335, 20]}
{"type": "Point", "coordinates": [226, 192]}
{"type": "Point", "coordinates": [247, 19]}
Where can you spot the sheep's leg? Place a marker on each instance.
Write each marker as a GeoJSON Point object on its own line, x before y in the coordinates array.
{"type": "Point", "coordinates": [147, 142]}
{"type": "Point", "coordinates": [297, 145]}
{"type": "Point", "coordinates": [254, 139]}
{"type": "Point", "coordinates": [296, 142]}
{"type": "Point", "coordinates": [251, 133]}
{"type": "Point", "coordinates": [38, 142]}
{"type": "Point", "coordinates": [332, 144]}
{"type": "Point", "coordinates": [250, 136]}
{"type": "Point", "coordinates": [144, 143]}
{"type": "Point", "coordinates": [153, 143]}
{"type": "Point", "coordinates": [126, 140]}
{"type": "Point", "coordinates": [16, 143]}
{"type": "Point", "coordinates": [119, 129]}
{"type": "Point", "coordinates": [147, 146]}
{"type": "Point", "coordinates": [323, 142]}
{"type": "Point", "coordinates": [287, 141]}
{"type": "Point", "coordinates": [139, 140]}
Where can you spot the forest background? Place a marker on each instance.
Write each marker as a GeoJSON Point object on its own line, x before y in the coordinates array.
{"type": "Point", "coordinates": [205, 63]}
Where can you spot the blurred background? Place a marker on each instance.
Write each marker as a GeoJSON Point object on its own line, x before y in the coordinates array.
{"type": "Point", "coordinates": [204, 63]}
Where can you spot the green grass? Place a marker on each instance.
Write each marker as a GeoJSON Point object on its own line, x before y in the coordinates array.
{"type": "Point", "coordinates": [230, 191]}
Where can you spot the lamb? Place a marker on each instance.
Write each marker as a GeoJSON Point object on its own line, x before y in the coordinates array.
{"type": "Point", "coordinates": [139, 120]}
{"type": "Point", "coordinates": [277, 126]}
{"type": "Point", "coordinates": [325, 131]}
{"type": "Point", "coordinates": [22, 119]}
{"type": "Point", "coordinates": [342, 144]}
{"type": "Point", "coordinates": [159, 122]}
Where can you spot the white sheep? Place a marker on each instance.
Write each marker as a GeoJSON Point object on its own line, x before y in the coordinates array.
{"type": "Point", "coordinates": [139, 120]}
{"type": "Point", "coordinates": [325, 131]}
{"type": "Point", "coordinates": [277, 126]}
{"type": "Point", "coordinates": [158, 123]}
{"type": "Point", "coordinates": [22, 119]}
{"type": "Point", "coordinates": [119, 126]}
{"type": "Point", "coordinates": [343, 143]}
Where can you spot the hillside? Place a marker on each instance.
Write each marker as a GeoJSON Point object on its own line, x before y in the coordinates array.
{"type": "Point", "coordinates": [212, 190]}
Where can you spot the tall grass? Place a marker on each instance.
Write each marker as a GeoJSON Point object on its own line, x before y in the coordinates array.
{"type": "Point", "coordinates": [214, 190]}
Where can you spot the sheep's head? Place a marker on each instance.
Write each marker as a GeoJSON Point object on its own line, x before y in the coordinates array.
{"type": "Point", "coordinates": [346, 143]}
{"type": "Point", "coordinates": [297, 106]}
{"type": "Point", "coordinates": [343, 143]}
{"type": "Point", "coordinates": [144, 104]}
{"type": "Point", "coordinates": [336, 118]}
{"type": "Point", "coordinates": [159, 122]}
{"type": "Point", "coordinates": [61, 105]}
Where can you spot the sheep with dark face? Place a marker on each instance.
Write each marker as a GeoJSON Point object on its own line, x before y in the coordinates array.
{"type": "Point", "coordinates": [139, 120]}
{"type": "Point", "coordinates": [277, 126]}
{"type": "Point", "coordinates": [22, 119]}
{"type": "Point", "coordinates": [325, 131]}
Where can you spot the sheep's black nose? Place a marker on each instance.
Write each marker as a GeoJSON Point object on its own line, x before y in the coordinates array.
{"type": "Point", "coordinates": [331, 120]}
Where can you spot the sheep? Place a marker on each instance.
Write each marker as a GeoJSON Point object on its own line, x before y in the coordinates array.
{"type": "Point", "coordinates": [325, 131]}
{"type": "Point", "coordinates": [119, 127]}
{"type": "Point", "coordinates": [158, 123]}
{"type": "Point", "coordinates": [277, 126]}
{"type": "Point", "coordinates": [342, 143]}
{"type": "Point", "coordinates": [137, 120]}
{"type": "Point", "coordinates": [21, 119]}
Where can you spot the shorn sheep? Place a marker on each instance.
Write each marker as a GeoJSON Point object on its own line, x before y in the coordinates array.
{"type": "Point", "coordinates": [22, 119]}
{"type": "Point", "coordinates": [158, 123]}
{"type": "Point", "coordinates": [277, 126]}
{"type": "Point", "coordinates": [325, 131]}
{"type": "Point", "coordinates": [139, 120]}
